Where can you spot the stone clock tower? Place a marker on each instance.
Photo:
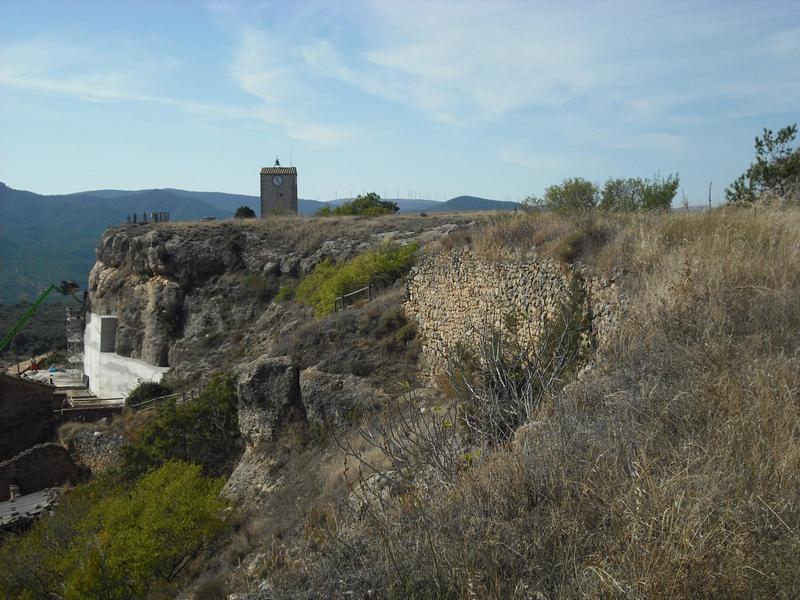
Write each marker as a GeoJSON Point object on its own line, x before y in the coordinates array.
{"type": "Point", "coordinates": [278, 190]}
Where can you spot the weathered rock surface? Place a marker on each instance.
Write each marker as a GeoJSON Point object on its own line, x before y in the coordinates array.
{"type": "Point", "coordinates": [269, 398]}
{"type": "Point", "coordinates": [333, 397]}
{"type": "Point", "coordinates": [196, 297]}
{"type": "Point", "coordinates": [376, 492]}
{"type": "Point", "coordinates": [39, 467]}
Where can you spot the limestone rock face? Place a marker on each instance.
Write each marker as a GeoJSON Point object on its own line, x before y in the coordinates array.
{"type": "Point", "coordinates": [197, 297]}
{"type": "Point", "coordinates": [332, 397]}
{"type": "Point", "coordinates": [269, 397]}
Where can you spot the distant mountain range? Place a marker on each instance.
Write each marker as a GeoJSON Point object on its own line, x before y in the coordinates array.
{"type": "Point", "coordinates": [46, 239]}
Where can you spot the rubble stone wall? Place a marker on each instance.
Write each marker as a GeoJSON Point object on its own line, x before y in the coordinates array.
{"type": "Point", "coordinates": [453, 297]}
{"type": "Point", "coordinates": [39, 467]}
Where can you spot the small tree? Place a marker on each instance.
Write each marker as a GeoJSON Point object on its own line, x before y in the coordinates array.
{"type": "Point", "coordinates": [147, 390]}
{"type": "Point", "coordinates": [244, 212]}
{"type": "Point", "coordinates": [635, 193]}
{"type": "Point", "coordinates": [776, 169]}
{"type": "Point", "coordinates": [572, 195]}
{"type": "Point", "coordinates": [622, 195]}
{"type": "Point", "coordinates": [368, 205]}
{"type": "Point", "coordinates": [657, 193]}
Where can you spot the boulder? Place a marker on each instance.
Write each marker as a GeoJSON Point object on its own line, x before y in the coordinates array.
{"type": "Point", "coordinates": [332, 397]}
{"type": "Point", "coordinates": [376, 492]}
{"type": "Point", "coordinates": [269, 398]}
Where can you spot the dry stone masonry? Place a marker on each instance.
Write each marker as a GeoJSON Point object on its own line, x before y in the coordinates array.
{"type": "Point", "coordinates": [452, 297]}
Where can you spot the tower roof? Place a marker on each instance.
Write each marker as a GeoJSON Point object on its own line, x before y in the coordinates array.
{"type": "Point", "coordinates": [279, 171]}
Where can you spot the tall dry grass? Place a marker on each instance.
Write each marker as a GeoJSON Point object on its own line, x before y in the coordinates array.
{"type": "Point", "coordinates": [672, 470]}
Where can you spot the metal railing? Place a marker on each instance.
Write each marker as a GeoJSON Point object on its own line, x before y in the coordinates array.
{"type": "Point", "coordinates": [180, 398]}
{"type": "Point", "coordinates": [342, 302]}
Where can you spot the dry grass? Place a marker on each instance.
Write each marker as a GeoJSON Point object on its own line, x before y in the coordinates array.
{"type": "Point", "coordinates": [306, 234]}
{"type": "Point", "coordinates": [128, 423]}
{"type": "Point", "coordinates": [671, 471]}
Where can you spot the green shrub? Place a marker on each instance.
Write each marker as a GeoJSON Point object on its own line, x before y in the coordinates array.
{"type": "Point", "coordinates": [369, 205]}
{"type": "Point", "coordinates": [572, 195]}
{"type": "Point", "coordinates": [379, 267]}
{"type": "Point", "coordinates": [286, 292]}
{"type": "Point", "coordinates": [146, 390]}
{"type": "Point", "coordinates": [635, 193]}
{"type": "Point", "coordinates": [776, 169]}
{"type": "Point", "coordinates": [657, 193]}
{"type": "Point", "coordinates": [244, 212]}
{"type": "Point", "coordinates": [203, 431]}
{"type": "Point", "coordinates": [107, 541]}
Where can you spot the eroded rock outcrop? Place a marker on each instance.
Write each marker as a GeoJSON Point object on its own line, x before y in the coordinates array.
{"type": "Point", "coordinates": [196, 297]}
{"type": "Point", "coordinates": [269, 398]}
{"type": "Point", "coordinates": [336, 397]}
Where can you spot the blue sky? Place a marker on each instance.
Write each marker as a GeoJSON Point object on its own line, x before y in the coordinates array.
{"type": "Point", "coordinates": [426, 99]}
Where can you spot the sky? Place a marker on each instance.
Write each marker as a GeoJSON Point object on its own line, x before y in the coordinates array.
{"type": "Point", "coordinates": [406, 98]}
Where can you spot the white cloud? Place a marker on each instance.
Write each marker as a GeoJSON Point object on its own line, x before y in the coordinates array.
{"type": "Point", "coordinates": [58, 67]}
{"type": "Point", "coordinates": [261, 67]}
{"type": "Point", "coordinates": [128, 74]}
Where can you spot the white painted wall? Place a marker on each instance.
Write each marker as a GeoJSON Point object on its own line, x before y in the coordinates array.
{"type": "Point", "coordinates": [111, 375]}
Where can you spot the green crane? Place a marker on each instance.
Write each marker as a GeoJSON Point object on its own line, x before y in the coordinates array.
{"type": "Point", "coordinates": [67, 288]}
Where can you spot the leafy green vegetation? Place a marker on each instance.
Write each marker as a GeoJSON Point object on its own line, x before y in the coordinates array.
{"type": "Point", "coordinates": [244, 212]}
{"type": "Point", "coordinates": [635, 193]}
{"type": "Point", "coordinates": [578, 195]}
{"type": "Point", "coordinates": [147, 390]}
{"type": "Point", "coordinates": [380, 267]}
{"type": "Point", "coordinates": [776, 169]}
{"type": "Point", "coordinates": [110, 541]}
{"type": "Point", "coordinates": [369, 205]}
{"type": "Point", "coordinates": [204, 431]}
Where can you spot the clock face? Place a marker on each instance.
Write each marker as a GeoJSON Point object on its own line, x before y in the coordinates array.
{"type": "Point", "coordinates": [277, 180]}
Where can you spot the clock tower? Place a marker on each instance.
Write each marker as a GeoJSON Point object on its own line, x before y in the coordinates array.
{"type": "Point", "coordinates": [278, 190]}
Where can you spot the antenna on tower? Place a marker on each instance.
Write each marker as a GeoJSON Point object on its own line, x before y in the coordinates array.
{"type": "Point", "coordinates": [290, 157]}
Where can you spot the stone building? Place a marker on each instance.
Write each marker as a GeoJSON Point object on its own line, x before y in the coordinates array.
{"type": "Point", "coordinates": [278, 190]}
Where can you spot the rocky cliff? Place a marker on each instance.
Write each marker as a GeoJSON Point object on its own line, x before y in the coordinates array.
{"type": "Point", "coordinates": [198, 297]}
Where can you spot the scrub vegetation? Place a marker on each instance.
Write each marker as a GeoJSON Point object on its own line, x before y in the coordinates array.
{"type": "Point", "coordinates": [380, 267]}
{"type": "Point", "coordinates": [669, 470]}
{"type": "Point", "coordinates": [367, 205]}
{"type": "Point", "coordinates": [132, 532]}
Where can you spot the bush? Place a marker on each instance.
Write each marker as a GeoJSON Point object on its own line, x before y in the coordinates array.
{"type": "Point", "coordinates": [286, 292]}
{"type": "Point", "coordinates": [572, 195]}
{"type": "Point", "coordinates": [146, 390]}
{"type": "Point", "coordinates": [204, 431]}
{"type": "Point", "coordinates": [627, 195]}
{"type": "Point", "coordinates": [500, 383]}
{"type": "Point", "coordinates": [149, 534]}
{"type": "Point", "coordinates": [379, 268]}
{"type": "Point", "coordinates": [260, 287]}
{"type": "Point", "coordinates": [776, 169]}
{"type": "Point", "coordinates": [107, 541]}
{"type": "Point", "coordinates": [369, 205]}
{"type": "Point", "coordinates": [244, 212]}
